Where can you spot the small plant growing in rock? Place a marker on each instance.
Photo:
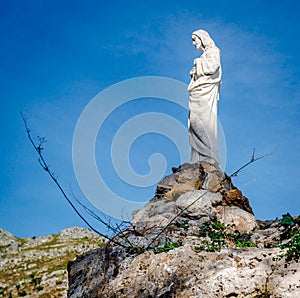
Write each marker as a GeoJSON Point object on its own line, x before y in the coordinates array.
{"type": "Point", "coordinates": [292, 234]}
{"type": "Point", "coordinates": [246, 243]}
{"type": "Point", "coordinates": [22, 293]}
{"type": "Point", "coordinates": [216, 232]}
{"type": "Point", "coordinates": [39, 288]}
{"type": "Point", "coordinates": [287, 220]}
{"type": "Point", "coordinates": [135, 250]}
{"type": "Point", "coordinates": [36, 281]}
{"type": "Point", "coordinates": [167, 247]}
{"type": "Point", "coordinates": [293, 247]}
{"type": "Point", "coordinates": [209, 246]}
{"type": "Point", "coordinates": [219, 238]}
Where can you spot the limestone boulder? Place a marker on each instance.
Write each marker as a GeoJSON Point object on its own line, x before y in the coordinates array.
{"type": "Point", "coordinates": [212, 191]}
{"type": "Point", "coordinates": [184, 272]}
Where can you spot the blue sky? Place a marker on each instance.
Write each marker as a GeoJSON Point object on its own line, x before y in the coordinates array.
{"type": "Point", "coordinates": [57, 55]}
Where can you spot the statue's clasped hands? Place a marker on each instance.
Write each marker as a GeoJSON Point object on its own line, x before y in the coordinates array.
{"type": "Point", "coordinates": [193, 72]}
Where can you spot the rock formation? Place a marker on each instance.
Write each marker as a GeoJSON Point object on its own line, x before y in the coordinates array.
{"type": "Point", "coordinates": [220, 199]}
{"type": "Point", "coordinates": [196, 238]}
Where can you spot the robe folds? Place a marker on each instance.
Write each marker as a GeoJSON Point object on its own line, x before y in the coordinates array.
{"type": "Point", "coordinates": [203, 99]}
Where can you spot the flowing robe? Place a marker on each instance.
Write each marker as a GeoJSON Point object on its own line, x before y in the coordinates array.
{"type": "Point", "coordinates": [204, 95]}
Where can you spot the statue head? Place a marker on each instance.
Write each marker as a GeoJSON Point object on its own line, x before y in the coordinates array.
{"type": "Point", "coordinates": [202, 40]}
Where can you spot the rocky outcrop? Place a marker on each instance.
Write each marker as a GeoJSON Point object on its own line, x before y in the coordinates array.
{"type": "Point", "coordinates": [215, 195]}
{"type": "Point", "coordinates": [196, 238]}
{"type": "Point", "coordinates": [37, 266]}
{"type": "Point", "coordinates": [184, 272]}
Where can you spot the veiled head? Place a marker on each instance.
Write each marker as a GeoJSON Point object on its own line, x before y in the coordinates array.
{"type": "Point", "coordinates": [205, 39]}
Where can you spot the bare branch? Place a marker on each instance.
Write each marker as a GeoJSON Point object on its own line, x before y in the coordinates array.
{"type": "Point", "coordinates": [45, 166]}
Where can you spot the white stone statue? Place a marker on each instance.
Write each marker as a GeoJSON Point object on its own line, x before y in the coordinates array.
{"type": "Point", "coordinates": [204, 95]}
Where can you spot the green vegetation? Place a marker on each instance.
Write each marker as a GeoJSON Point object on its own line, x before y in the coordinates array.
{"type": "Point", "coordinates": [39, 288]}
{"type": "Point", "coordinates": [35, 280]}
{"type": "Point", "coordinates": [287, 220]}
{"type": "Point", "coordinates": [22, 293]}
{"type": "Point", "coordinates": [292, 234]}
{"type": "Point", "coordinates": [293, 246]}
{"type": "Point", "coordinates": [167, 247]}
{"type": "Point", "coordinates": [135, 250]}
{"type": "Point", "coordinates": [219, 238]}
{"type": "Point", "coordinates": [246, 243]}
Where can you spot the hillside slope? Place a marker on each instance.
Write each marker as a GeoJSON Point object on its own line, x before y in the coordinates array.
{"type": "Point", "coordinates": [36, 267]}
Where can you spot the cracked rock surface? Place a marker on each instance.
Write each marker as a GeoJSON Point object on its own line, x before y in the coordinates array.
{"type": "Point", "coordinates": [214, 248]}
